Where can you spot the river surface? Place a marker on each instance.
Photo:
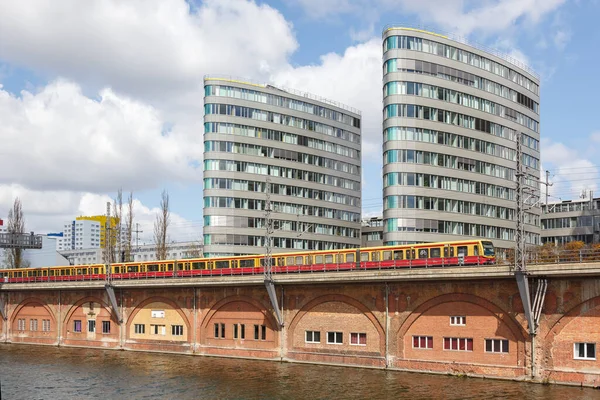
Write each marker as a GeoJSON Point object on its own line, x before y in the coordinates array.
{"type": "Point", "coordinates": [39, 372]}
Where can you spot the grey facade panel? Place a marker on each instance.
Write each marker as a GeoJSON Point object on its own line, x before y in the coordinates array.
{"type": "Point", "coordinates": [403, 223]}
{"type": "Point", "coordinates": [311, 223]}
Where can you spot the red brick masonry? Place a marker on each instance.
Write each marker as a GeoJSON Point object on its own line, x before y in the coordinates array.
{"type": "Point", "coordinates": [337, 324]}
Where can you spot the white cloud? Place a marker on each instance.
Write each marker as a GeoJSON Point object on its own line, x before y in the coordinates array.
{"type": "Point", "coordinates": [144, 47]}
{"type": "Point", "coordinates": [47, 211]}
{"type": "Point", "coordinates": [571, 173]}
{"type": "Point", "coordinates": [353, 78]}
{"type": "Point", "coordinates": [59, 139]}
{"type": "Point", "coordinates": [462, 17]}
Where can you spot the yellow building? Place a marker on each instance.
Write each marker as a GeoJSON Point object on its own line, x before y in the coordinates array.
{"type": "Point", "coordinates": [102, 219]}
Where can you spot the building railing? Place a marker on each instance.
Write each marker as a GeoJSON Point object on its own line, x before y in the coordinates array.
{"type": "Point", "coordinates": [284, 89]}
{"type": "Point", "coordinates": [468, 42]}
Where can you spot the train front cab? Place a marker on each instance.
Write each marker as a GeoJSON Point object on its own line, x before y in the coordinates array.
{"type": "Point", "coordinates": [428, 255]}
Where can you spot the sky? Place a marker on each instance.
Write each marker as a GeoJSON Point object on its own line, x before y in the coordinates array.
{"type": "Point", "coordinates": [99, 95]}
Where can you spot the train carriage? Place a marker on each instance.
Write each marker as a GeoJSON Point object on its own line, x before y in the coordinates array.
{"type": "Point", "coordinates": [443, 254]}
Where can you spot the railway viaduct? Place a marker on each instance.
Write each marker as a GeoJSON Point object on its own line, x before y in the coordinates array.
{"type": "Point", "coordinates": [460, 320]}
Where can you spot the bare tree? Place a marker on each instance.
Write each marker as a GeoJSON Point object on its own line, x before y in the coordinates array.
{"type": "Point", "coordinates": [161, 225]}
{"type": "Point", "coordinates": [16, 225]}
{"type": "Point", "coordinates": [129, 227]}
{"type": "Point", "coordinates": [117, 245]}
{"type": "Point", "coordinates": [108, 252]}
{"type": "Point", "coordinates": [195, 250]}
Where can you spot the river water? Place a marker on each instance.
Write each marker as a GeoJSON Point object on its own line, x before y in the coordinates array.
{"type": "Point", "coordinates": [39, 372]}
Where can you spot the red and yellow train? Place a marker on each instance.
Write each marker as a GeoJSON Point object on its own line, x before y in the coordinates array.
{"type": "Point", "coordinates": [444, 254]}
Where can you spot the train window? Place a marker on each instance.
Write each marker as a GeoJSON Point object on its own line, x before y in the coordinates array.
{"type": "Point", "coordinates": [445, 251]}
{"type": "Point", "coordinates": [435, 253]}
{"type": "Point", "coordinates": [179, 266]}
{"type": "Point", "coordinates": [299, 261]}
{"type": "Point", "coordinates": [398, 254]}
{"type": "Point", "coordinates": [246, 263]}
{"type": "Point", "coordinates": [84, 271]}
{"type": "Point", "coordinates": [209, 265]}
{"type": "Point", "coordinates": [78, 271]}
{"type": "Point", "coordinates": [387, 255]}
{"type": "Point", "coordinates": [476, 250]}
{"type": "Point", "coordinates": [289, 261]}
{"type": "Point", "coordinates": [410, 254]}
{"type": "Point", "coordinates": [451, 251]}
{"type": "Point", "coordinates": [132, 268]}
{"type": "Point", "coordinates": [423, 253]}
{"type": "Point", "coordinates": [170, 267]}
{"type": "Point", "coordinates": [44, 273]}
{"type": "Point", "coordinates": [234, 263]}
{"type": "Point", "coordinates": [364, 256]}
{"type": "Point", "coordinates": [350, 257]}
{"type": "Point", "coordinates": [222, 264]}
{"type": "Point", "coordinates": [199, 265]}
{"type": "Point", "coordinates": [374, 256]}
{"type": "Point", "coordinates": [318, 259]}
{"type": "Point", "coordinates": [96, 270]}
{"type": "Point", "coordinates": [462, 250]}
{"type": "Point", "coordinates": [339, 258]}
{"type": "Point", "coordinates": [329, 259]}
{"type": "Point", "coordinates": [308, 260]}
{"type": "Point", "coordinates": [280, 261]}
{"type": "Point", "coordinates": [152, 267]}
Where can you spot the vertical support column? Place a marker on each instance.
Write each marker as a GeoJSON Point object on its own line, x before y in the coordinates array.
{"type": "Point", "coordinates": [283, 331]}
{"type": "Point", "coordinates": [59, 322]}
{"type": "Point", "coordinates": [387, 326]}
{"type": "Point", "coordinates": [4, 314]}
{"type": "Point", "coordinates": [122, 324]}
{"type": "Point", "coordinates": [194, 323]}
{"type": "Point", "coordinates": [269, 284]}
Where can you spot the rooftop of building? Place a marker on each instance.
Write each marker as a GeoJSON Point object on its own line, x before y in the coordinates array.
{"type": "Point", "coordinates": [468, 42]}
{"type": "Point", "coordinates": [295, 92]}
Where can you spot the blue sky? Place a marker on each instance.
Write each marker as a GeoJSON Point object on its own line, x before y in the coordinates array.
{"type": "Point", "coordinates": [108, 94]}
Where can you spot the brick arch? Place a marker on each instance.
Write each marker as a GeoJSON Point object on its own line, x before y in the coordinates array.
{"type": "Point", "coordinates": [159, 299]}
{"type": "Point", "coordinates": [28, 301]}
{"type": "Point", "coordinates": [568, 317]}
{"type": "Point", "coordinates": [246, 299]}
{"type": "Point", "coordinates": [516, 329]}
{"type": "Point", "coordinates": [339, 298]}
{"type": "Point", "coordinates": [79, 303]}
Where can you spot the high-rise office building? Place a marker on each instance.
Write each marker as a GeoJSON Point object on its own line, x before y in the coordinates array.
{"type": "Point", "coordinates": [452, 114]}
{"type": "Point", "coordinates": [308, 148]}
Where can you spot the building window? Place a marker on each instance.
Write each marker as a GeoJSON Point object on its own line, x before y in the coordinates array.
{"type": "Point", "coordinates": [222, 331]}
{"type": "Point", "coordinates": [255, 332]}
{"type": "Point", "coordinates": [22, 324]}
{"type": "Point", "coordinates": [239, 331]}
{"type": "Point", "coordinates": [158, 314]}
{"type": "Point", "coordinates": [458, 344]}
{"type": "Point", "coordinates": [584, 351]}
{"type": "Point", "coordinates": [358, 339]}
{"type": "Point", "coordinates": [313, 337]}
{"type": "Point", "coordinates": [263, 332]}
{"type": "Point", "coordinates": [423, 342]}
{"type": "Point", "coordinates": [105, 326]}
{"type": "Point", "coordinates": [140, 329]}
{"type": "Point", "coordinates": [158, 330]}
{"type": "Point", "coordinates": [216, 331]}
{"type": "Point", "coordinates": [177, 330]}
{"type": "Point", "coordinates": [33, 324]}
{"type": "Point", "coordinates": [219, 331]}
{"type": "Point", "coordinates": [46, 325]}
{"type": "Point", "coordinates": [335, 338]}
{"type": "Point", "coordinates": [458, 321]}
{"type": "Point", "coordinates": [91, 326]}
{"type": "Point", "coordinates": [77, 325]}
{"type": "Point", "coordinates": [496, 346]}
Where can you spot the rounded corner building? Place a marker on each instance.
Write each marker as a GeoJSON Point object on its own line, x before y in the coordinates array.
{"type": "Point", "coordinates": [306, 148]}
{"type": "Point", "coordinates": [452, 114]}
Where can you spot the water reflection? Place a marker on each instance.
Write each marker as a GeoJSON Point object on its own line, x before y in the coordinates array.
{"type": "Point", "coordinates": [36, 372]}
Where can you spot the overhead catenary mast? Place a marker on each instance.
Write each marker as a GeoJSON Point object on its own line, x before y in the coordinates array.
{"type": "Point", "coordinates": [268, 260]}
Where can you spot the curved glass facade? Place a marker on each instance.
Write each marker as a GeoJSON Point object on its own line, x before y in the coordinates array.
{"type": "Point", "coordinates": [311, 151]}
{"type": "Point", "coordinates": [451, 117]}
